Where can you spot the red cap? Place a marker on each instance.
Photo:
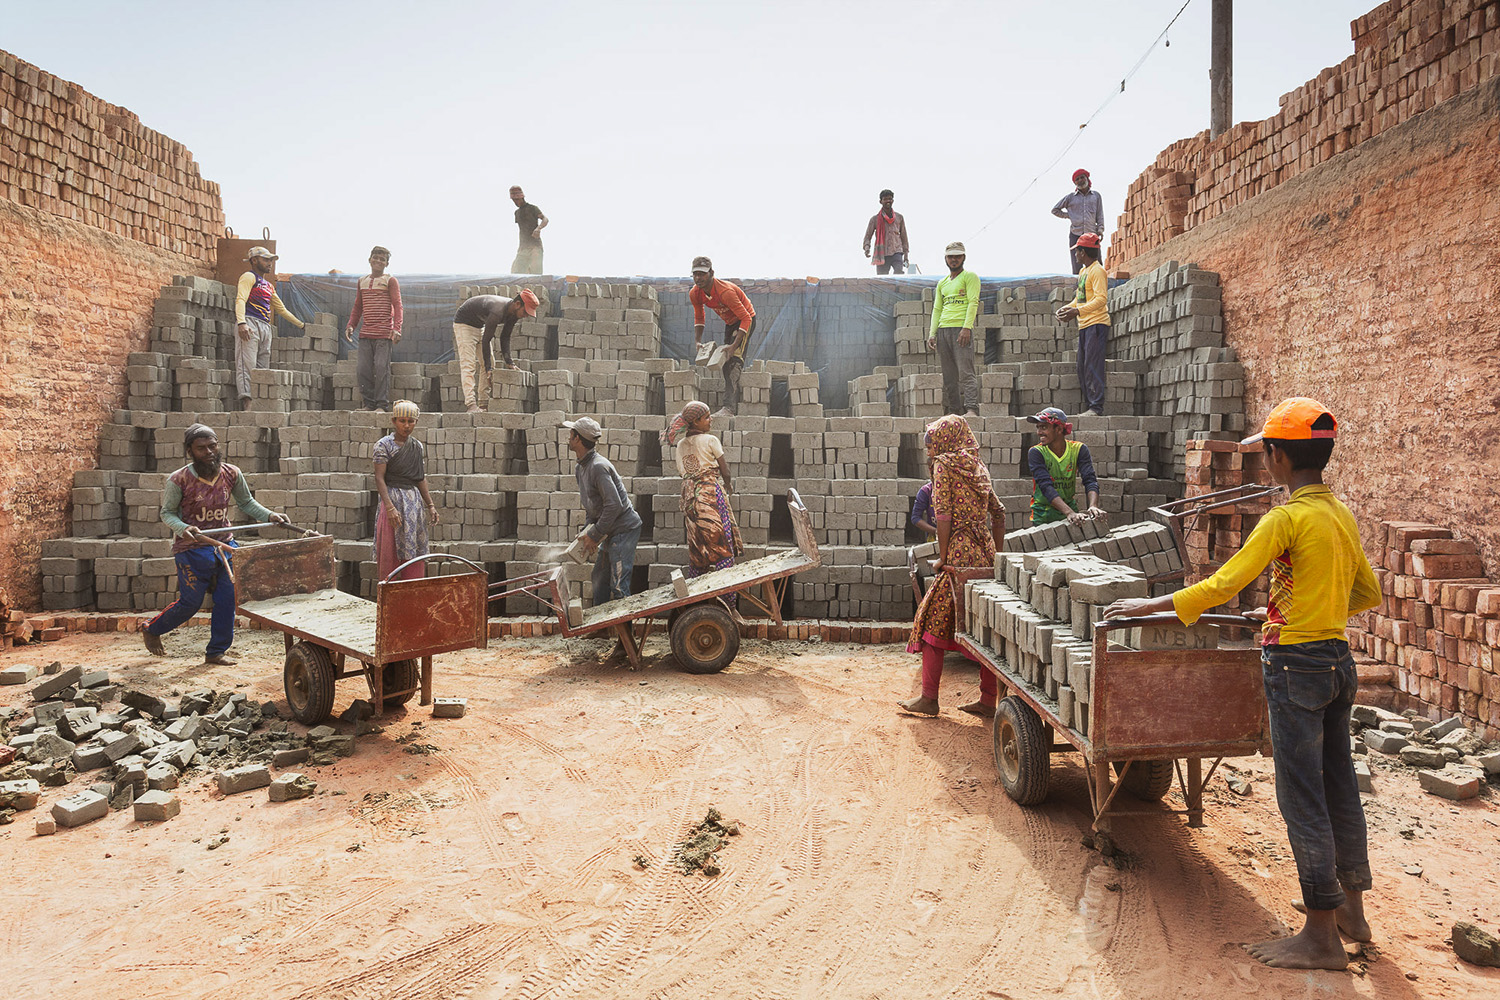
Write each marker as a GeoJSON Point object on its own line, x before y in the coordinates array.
{"type": "Point", "coordinates": [1293, 419]}
{"type": "Point", "coordinates": [1080, 172]}
{"type": "Point", "coordinates": [528, 301]}
{"type": "Point", "coordinates": [1090, 240]}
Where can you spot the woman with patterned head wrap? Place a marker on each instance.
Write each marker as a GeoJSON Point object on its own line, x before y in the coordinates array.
{"type": "Point", "coordinates": [405, 504]}
{"type": "Point", "coordinates": [713, 537]}
{"type": "Point", "coordinates": [970, 527]}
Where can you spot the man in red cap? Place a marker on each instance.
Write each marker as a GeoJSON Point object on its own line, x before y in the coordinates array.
{"type": "Point", "coordinates": [1084, 210]}
{"type": "Point", "coordinates": [1091, 308]}
{"type": "Point", "coordinates": [1319, 579]}
{"type": "Point", "coordinates": [474, 328]}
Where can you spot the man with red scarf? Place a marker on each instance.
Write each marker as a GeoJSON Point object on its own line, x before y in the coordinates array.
{"type": "Point", "coordinates": [892, 245]}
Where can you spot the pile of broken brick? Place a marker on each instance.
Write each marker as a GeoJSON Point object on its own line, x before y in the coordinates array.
{"type": "Point", "coordinates": [1451, 761]}
{"type": "Point", "coordinates": [140, 750]}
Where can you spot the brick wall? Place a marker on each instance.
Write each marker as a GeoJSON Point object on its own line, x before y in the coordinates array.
{"type": "Point", "coordinates": [70, 154]}
{"type": "Point", "coordinates": [1409, 56]}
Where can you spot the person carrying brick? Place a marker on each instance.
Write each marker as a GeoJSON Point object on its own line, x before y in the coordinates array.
{"type": "Point", "coordinates": [952, 332]}
{"type": "Point", "coordinates": [377, 315]}
{"type": "Point", "coordinates": [1319, 578]}
{"type": "Point", "coordinates": [473, 331]}
{"type": "Point", "coordinates": [612, 527]}
{"type": "Point", "coordinates": [892, 247]}
{"type": "Point", "coordinates": [1056, 466]}
{"type": "Point", "coordinates": [1090, 307]}
{"type": "Point", "coordinates": [531, 222]}
{"type": "Point", "coordinates": [254, 300]}
{"type": "Point", "coordinates": [1084, 210]}
{"type": "Point", "coordinates": [734, 308]}
{"type": "Point", "coordinates": [198, 497]}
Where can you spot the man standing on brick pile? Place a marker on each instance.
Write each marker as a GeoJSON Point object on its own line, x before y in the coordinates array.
{"type": "Point", "coordinates": [253, 303]}
{"type": "Point", "coordinates": [952, 333]}
{"type": "Point", "coordinates": [892, 246]}
{"type": "Point", "coordinates": [734, 308]}
{"type": "Point", "coordinates": [531, 222]}
{"type": "Point", "coordinates": [377, 305]}
{"type": "Point", "coordinates": [612, 525]}
{"type": "Point", "coordinates": [196, 498]}
{"type": "Point", "coordinates": [1084, 210]}
{"type": "Point", "coordinates": [1091, 308]}
{"type": "Point", "coordinates": [473, 331]}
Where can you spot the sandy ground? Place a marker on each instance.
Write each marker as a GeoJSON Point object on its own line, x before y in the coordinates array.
{"type": "Point", "coordinates": [880, 858]}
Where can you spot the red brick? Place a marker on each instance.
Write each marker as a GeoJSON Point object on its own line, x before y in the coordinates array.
{"type": "Point", "coordinates": [1444, 566]}
{"type": "Point", "coordinates": [1444, 546]}
{"type": "Point", "coordinates": [1487, 602]}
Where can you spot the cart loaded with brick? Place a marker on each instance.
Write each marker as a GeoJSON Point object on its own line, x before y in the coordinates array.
{"type": "Point", "coordinates": [703, 634]}
{"type": "Point", "coordinates": [331, 635]}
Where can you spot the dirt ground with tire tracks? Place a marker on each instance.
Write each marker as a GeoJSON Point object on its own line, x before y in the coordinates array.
{"type": "Point", "coordinates": [879, 856]}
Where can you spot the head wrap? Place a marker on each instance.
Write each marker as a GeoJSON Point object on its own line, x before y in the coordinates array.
{"type": "Point", "coordinates": [195, 432]}
{"type": "Point", "coordinates": [691, 413]}
{"type": "Point", "coordinates": [955, 453]}
{"type": "Point", "coordinates": [405, 408]}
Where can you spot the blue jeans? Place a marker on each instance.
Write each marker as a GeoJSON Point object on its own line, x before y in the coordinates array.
{"type": "Point", "coordinates": [615, 564]}
{"type": "Point", "coordinates": [1310, 690]}
{"type": "Point", "coordinates": [1091, 344]}
{"type": "Point", "coordinates": [200, 572]}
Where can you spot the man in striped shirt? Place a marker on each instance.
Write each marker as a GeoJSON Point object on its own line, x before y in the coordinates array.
{"type": "Point", "coordinates": [254, 301]}
{"type": "Point", "coordinates": [377, 313]}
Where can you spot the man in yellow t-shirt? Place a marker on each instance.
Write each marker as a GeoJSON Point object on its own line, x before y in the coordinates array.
{"type": "Point", "coordinates": [1091, 309]}
{"type": "Point", "coordinates": [1319, 577]}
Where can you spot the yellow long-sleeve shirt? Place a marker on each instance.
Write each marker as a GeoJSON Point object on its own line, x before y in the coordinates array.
{"type": "Point", "coordinates": [1092, 300]}
{"type": "Point", "coordinates": [261, 298]}
{"type": "Point", "coordinates": [1319, 573]}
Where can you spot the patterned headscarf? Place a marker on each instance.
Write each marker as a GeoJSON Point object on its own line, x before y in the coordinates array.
{"type": "Point", "coordinates": [405, 408]}
{"type": "Point", "coordinates": [955, 452]}
{"type": "Point", "coordinates": [691, 413]}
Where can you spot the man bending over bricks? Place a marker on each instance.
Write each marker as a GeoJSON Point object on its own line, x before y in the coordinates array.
{"type": "Point", "coordinates": [613, 527]}
{"type": "Point", "coordinates": [733, 306]}
{"type": "Point", "coordinates": [952, 333]}
{"type": "Point", "coordinates": [196, 498]}
{"type": "Point", "coordinates": [1091, 308]}
{"type": "Point", "coordinates": [253, 302]}
{"type": "Point", "coordinates": [1056, 466]}
{"type": "Point", "coordinates": [377, 314]}
{"type": "Point", "coordinates": [474, 329]}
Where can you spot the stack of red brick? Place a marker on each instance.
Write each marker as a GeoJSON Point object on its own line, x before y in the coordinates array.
{"type": "Point", "coordinates": [1212, 537]}
{"type": "Point", "coordinates": [1438, 623]}
{"type": "Point", "coordinates": [69, 154]}
{"type": "Point", "coordinates": [1409, 55]}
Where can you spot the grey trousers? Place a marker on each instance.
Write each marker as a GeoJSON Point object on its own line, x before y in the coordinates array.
{"type": "Point", "coordinates": [252, 353]}
{"type": "Point", "coordinates": [375, 372]}
{"type": "Point", "coordinates": [960, 384]}
{"type": "Point", "coordinates": [528, 260]}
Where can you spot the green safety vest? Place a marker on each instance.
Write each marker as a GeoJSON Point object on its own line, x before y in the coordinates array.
{"type": "Point", "coordinates": [1064, 471]}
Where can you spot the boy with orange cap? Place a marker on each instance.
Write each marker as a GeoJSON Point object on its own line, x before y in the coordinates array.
{"type": "Point", "coordinates": [1319, 577]}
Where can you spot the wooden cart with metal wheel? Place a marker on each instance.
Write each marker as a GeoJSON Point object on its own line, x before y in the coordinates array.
{"type": "Point", "coordinates": [1154, 714]}
{"type": "Point", "coordinates": [704, 635]}
{"type": "Point", "coordinates": [289, 586]}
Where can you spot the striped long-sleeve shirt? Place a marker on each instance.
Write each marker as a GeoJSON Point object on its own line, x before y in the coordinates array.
{"type": "Point", "coordinates": [377, 304]}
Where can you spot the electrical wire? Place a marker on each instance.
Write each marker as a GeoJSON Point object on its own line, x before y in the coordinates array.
{"type": "Point", "coordinates": [1097, 112]}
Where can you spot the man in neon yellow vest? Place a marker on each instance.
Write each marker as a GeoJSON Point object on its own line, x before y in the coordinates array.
{"type": "Point", "coordinates": [1056, 466]}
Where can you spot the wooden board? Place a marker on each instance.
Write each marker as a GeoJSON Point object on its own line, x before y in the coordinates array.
{"type": "Point", "coordinates": [662, 599]}
{"type": "Point", "coordinates": [275, 569]}
{"type": "Point", "coordinates": [329, 617]}
{"type": "Point", "coordinates": [431, 615]}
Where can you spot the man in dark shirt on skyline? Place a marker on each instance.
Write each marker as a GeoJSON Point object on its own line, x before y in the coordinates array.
{"type": "Point", "coordinates": [531, 222]}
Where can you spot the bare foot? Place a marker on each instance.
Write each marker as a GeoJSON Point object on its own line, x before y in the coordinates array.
{"type": "Point", "coordinates": [970, 414]}
{"type": "Point", "coordinates": [1316, 946]}
{"type": "Point", "coordinates": [919, 706]}
{"type": "Point", "coordinates": [153, 644]}
{"type": "Point", "coordinates": [220, 660]}
{"type": "Point", "coordinates": [978, 708]}
{"type": "Point", "coordinates": [1350, 917]}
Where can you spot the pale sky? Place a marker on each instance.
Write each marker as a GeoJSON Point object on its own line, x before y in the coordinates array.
{"type": "Point", "coordinates": [756, 132]}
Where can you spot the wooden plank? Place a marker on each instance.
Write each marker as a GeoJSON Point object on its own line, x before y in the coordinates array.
{"type": "Point", "coordinates": [275, 569]}
{"type": "Point", "coordinates": [329, 617]}
{"type": "Point", "coordinates": [659, 600]}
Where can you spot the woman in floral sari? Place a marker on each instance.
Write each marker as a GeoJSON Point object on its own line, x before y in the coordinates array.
{"type": "Point", "coordinates": [713, 537]}
{"type": "Point", "coordinates": [970, 527]}
{"type": "Point", "coordinates": [405, 504]}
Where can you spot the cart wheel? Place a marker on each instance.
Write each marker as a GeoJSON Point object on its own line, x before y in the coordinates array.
{"type": "Point", "coordinates": [398, 676]}
{"type": "Point", "coordinates": [705, 639]}
{"type": "Point", "coordinates": [308, 679]}
{"type": "Point", "coordinates": [1021, 752]}
{"type": "Point", "coordinates": [1148, 780]}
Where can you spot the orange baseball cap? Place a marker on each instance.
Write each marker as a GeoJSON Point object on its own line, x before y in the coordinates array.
{"type": "Point", "coordinates": [528, 301]}
{"type": "Point", "coordinates": [1293, 419]}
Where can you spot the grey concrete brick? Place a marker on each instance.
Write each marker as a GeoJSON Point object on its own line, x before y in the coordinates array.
{"type": "Point", "coordinates": [22, 794]}
{"type": "Point", "coordinates": [290, 786]}
{"type": "Point", "coordinates": [1452, 782]}
{"type": "Point", "coordinates": [156, 807]}
{"type": "Point", "coordinates": [1362, 776]}
{"type": "Point", "coordinates": [90, 757]}
{"type": "Point", "coordinates": [49, 746]}
{"type": "Point", "coordinates": [289, 758]}
{"type": "Point", "coordinates": [243, 779]}
{"type": "Point", "coordinates": [50, 686]}
{"type": "Point", "coordinates": [119, 744]}
{"type": "Point", "coordinates": [161, 777]}
{"type": "Point", "coordinates": [19, 673]}
{"type": "Point", "coordinates": [1384, 742]}
{"type": "Point", "coordinates": [80, 808]}
{"type": "Point", "coordinates": [147, 704]}
{"type": "Point", "coordinates": [1440, 729]}
{"type": "Point", "coordinates": [449, 708]}
{"type": "Point", "coordinates": [46, 826]}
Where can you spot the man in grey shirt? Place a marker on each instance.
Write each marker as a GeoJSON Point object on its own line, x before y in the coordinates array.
{"type": "Point", "coordinates": [613, 525]}
{"type": "Point", "coordinates": [1084, 210]}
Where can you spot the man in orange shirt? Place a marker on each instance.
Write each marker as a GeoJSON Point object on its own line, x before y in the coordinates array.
{"type": "Point", "coordinates": [734, 308]}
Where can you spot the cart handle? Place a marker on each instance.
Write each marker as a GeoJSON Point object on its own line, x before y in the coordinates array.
{"type": "Point", "coordinates": [1110, 624]}
{"type": "Point", "coordinates": [261, 524]}
{"type": "Point", "coordinates": [437, 557]}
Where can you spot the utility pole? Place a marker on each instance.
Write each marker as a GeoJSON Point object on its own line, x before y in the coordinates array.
{"type": "Point", "coordinates": [1221, 69]}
